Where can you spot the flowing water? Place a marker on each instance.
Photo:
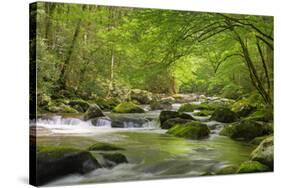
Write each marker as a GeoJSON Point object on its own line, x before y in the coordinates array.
{"type": "Point", "coordinates": [151, 153]}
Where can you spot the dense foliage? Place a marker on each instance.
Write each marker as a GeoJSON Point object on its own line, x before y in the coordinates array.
{"type": "Point", "coordinates": [90, 51]}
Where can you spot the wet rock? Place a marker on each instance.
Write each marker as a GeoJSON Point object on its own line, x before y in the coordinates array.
{"type": "Point", "coordinates": [165, 115]}
{"type": "Point", "coordinates": [246, 130]}
{"type": "Point", "coordinates": [252, 166]}
{"type": "Point", "coordinates": [128, 107]}
{"type": "Point", "coordinates": [264, 152]}
{"type": "Point", "coordinates": [141, 96]}
{"type": "Point", "coordinates": [54, 162]}
{"type": "Point", "coordinates": [264, 114]}
{"type": "Point", "coordinates": [171, 122]}
{"type": "Point", "coordinates": [192, 130]}
{"type": "Point", "coordinates": [79, 104]}
{"type": "Point", "coordinates": [93, 112]}
{"type": "Point", "coordinates": [224, 115]}
{"type": "Point", "coordinates": [113, 159]}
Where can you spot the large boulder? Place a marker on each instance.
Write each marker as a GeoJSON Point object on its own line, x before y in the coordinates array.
{"type": "Point", "coordinates": [93, 112]}
{"type": "Point", "coordinates": [107, 104]}
{"type": "Point", "coordinates": [264, 152]}
{"type": "Point", "coordinates": [54, 162]}
{"type": "Point", "coordinates": [252, 166]}
{"type": "Point", "coordinates": [187, 107]}
{"type": "Point", "coordinates": [79, 105]}
{"type": "Point", "coordinates": [128, 107]}
{"type": "Point", "coordinates": [171, 122]}
{"type": "Point", "coordinates": [165, 115]}
{"type": "Point", "coordinates": [264, 114]}
{"type": "Point", "coordinates": [142, 96]}
{"type": "Point", "coordinates": [246, 130]}
{"type": "Point", "coordinates": [224, 115]}
{"type": "Point", "coordinates": [192, 130]}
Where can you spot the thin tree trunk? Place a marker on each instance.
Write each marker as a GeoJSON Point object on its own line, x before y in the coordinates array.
{"type": "Point", "coordinates": [62, 80]}
{"type": "Point", "coordinates": [110, 86]}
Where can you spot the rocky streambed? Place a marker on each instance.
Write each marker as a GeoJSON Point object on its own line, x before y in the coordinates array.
{"type": "Point", "coordinates": [176, 141]}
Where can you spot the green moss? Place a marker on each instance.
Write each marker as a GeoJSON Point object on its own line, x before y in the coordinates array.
{"type": "Point", "coordinates": [79, 104]}
{"type": "Point", "coordinates": [54, 151]}
{"type": "Point", "coordinates": [258, 140]}
{"type": "Point", "coordinates": [192, 130]}
{"type": "Point", "coordinates": [128, 107]}
{"type": "Point", "coordinates": [263, 114]}
{"type": "Point", "coordinates": [107, 104]}
{"type": "Point", "coordinates": [227, 170]}
{"type": "Point", "coordinates": [224, 115]}
{"type": "Point", "coordinates": [245, 130]}
{"type": "Point", "coordinates": [264, 152]}
{"type": "Point", "coordinates": [103, 147]}
{"type": "Point", "coordinates": [116, 158]}
{"type": "Point", "coordinates": [252, 166]}
{"type": "Point", "coordinates": [186, 108]}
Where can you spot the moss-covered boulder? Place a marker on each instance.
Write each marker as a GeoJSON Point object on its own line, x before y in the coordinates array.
{"type": "Point", "coordinates": [186, 108]}
{"type": "Point", "coordinates": [160, 105]}
{"type": "Point", "coordinates": [174, 121]}
{"type": "Point", "coordinates": [107, 104]}
{"type": "Point", "coordinates": [210, 106]}
{"type": "Point", "coordinates": [128, 107]}
{"type": "Point", "coordinates": [79, 105]}
{"type": "Point", "coordinates": [224, 115]}
{"type": "Point", "coordinates": [113, 159]}
{"type": "Point", "coordinates": [264, 152]}
{"type": "Point", "coordinates": [165, 115]}
{"type": "Point", "coordinates": [262, 114]}
{"type": "Point", "coordinates": [231, 169]}
{"type": "Point", "coordinates": [141, 96]}
{"type": "Point", "coordinates": [192, 130]}
{"type": "Point", "coordinates": [103, 147]}
{"type": "Point", "coordinates": [259, 139]}
{"type": "Point", "coordinates": [93, 112]}
{"type": "Point", "coordinates": [54, 162]}
{"type": "Point", "coordinates": [56, 107]}
{"type": "Point", "coordinates": [246, 130]}
{"type": "Point", "coordinates": [252, 166]}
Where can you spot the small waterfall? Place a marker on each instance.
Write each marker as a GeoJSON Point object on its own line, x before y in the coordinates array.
{"type": "Point", "coordinates": [102, 122]}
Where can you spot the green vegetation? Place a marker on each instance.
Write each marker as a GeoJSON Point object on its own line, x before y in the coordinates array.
{"type": "Point", "coordinates": [186, 108]}
{"type": "Point", "coordinates": [128, 107]}
{"type": "Point", "coordinates": [252, 166]}
{"type": "Point", "coordinates": [104, 147]}
{"type": "Point", "coordinates": [95, 53]}
{"type": "Point", "coordinates": [193, 130]}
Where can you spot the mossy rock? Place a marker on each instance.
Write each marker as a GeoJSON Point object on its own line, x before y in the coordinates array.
{"type": "Point", "coordinates": [160, 105]}
{"type": "Point", "coordinates": [259, 139]}
{"type": "Point", "coordinates": [79, 104]}
{"type": "Point", "coordinates": [203, 113]}
{"type": "Point", "coordinates": [93, 111]}
{"type": "Point", "coordinates": [103, 147]}
{"type": "Point", "coordinates": [252, 166]}
{"type": "Point", "coordinates": [264, 152]}
{"type": "Point", "coordinates": [227, 170]}
{"type": "Point", "coordinates": [243, 108]}
{"type": "Point", "coordinates": [263, 114]}
{"type": "Point", "coordinates": [128, 107]}
{"type": "Point", "coordinates": [245, 130]}
{"type": "Point", "coordinates": [224, 115]}
{"type": "Point", "coordinates": [56, 107]}
{"type": "Point", "coordinates": [186, 108]}
{"type": "Point", "coordinates": [165, 115]}
{"type": "Point", "coordinates": [142, 96]}
{"type": "Point", "coordinates": [107, 104]}
{"type": "Point", "coordinates": [113, 159]}
{"type": "Point", "coordinates": [192, 130]}
{"type": "Point", "coordinates": [172, 122]}
{"type": "Point", "coordinates": [54, 162]}
{"type": "Point", "coordinates": [210, 106]}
